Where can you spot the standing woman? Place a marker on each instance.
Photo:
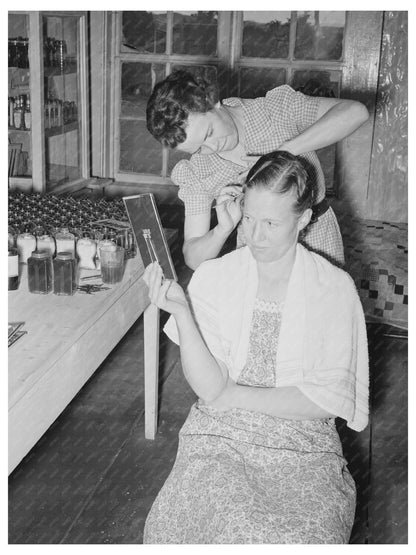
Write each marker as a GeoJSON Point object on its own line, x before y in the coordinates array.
{"type": "Point", "coordinates": [273, 342]}
{"type": "Point", "coordinates": [225, 140]}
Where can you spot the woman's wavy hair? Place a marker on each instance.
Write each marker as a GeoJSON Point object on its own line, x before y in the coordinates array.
{"type": "Point", "coordinates": [281, 172]}
{"type": "Point", "coordinates": [171, 102]}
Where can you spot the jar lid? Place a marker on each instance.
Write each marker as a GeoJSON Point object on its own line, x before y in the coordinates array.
{"type": "Point", "coordinates": [41, 254]}
{"type": "Point", "coordinates": [65, 255]}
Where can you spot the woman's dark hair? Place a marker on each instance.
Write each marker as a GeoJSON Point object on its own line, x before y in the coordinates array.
{"type": "Point", "coordinates": [281, 172]}
{"type": "Point", "coordinates": [171, 102]}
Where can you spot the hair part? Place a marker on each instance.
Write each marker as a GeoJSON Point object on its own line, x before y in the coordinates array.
{"type": "Point", "coordinates": [281, 172]}
{"type": "Point", "coordinates": [171, 102]}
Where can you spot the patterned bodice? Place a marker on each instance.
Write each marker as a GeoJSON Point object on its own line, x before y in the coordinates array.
{"type": "Point", "coordinates": [260, 367]}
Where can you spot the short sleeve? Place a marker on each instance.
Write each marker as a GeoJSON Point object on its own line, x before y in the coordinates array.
{"type": "Point", "coordinates": [192, 192]}
{"type": "Point", "coordinates": [200, 179]}
{"type": "Point", "coordinates": [285, 104]}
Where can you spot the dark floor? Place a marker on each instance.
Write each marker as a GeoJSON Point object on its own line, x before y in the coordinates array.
{"type": "Point", "coordinates": [92, 477]}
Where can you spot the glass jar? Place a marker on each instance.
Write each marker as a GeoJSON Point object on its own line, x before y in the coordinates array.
{"type": "Point", "coordinates": [26, 244]}
{"type": "Point", "coordinates": [103, 243]}
{"type": "Point", "coordinates": [65, 241]}
{"type": "Point", "coordinates": [13, 269]}
{"type": "Point", "coordinates": [12, 237]}
{"type": "Point", "coordinates": [64, 274]}
{"type": "Point", "coordinates": [86, 251]}
{"type": "Point", "coordinates": [39, 272]}
{"type": "Point", "coordinates": [46, 243]}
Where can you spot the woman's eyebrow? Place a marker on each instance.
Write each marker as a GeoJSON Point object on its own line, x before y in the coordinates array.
{"type": "Point", "coordinates": [245, 213]}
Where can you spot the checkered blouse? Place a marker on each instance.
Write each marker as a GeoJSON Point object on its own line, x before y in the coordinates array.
{"type": "Point", "coordinates": [268, 121]}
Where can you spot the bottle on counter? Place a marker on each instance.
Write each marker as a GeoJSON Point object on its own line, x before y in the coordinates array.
{"type": "Point", "coordinates": [12, 237]}
{"type": "Point", "coordinates": [102, 243]}
{"type": "Point", "coordinates": [39, 272]}
{"type": "Point", "coordinates": [86, 251]}
{"type": "Point", "coordinates": [46, 243]}
{"type": "Point", "coordinates": [65, 241]}
{"type": "Point", "coordinates": [13, 269]}
{"type": "Point", "coordinates": [64, 274]}
{"type": "Point", "coordinates": [26, 244]}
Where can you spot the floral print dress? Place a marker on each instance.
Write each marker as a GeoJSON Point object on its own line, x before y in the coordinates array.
{"type": "Point", "coordinates": [244, 477]}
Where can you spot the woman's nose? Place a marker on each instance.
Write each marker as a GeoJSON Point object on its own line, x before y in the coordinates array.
{"type": "Point", "coordinates": [257, 233]}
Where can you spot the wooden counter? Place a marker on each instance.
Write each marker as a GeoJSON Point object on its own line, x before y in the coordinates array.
{"type": "Point", "coordinates": [67, 339]}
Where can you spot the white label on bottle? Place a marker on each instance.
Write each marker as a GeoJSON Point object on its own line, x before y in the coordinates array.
{"type": "Point", "coordinates": [13, 265]}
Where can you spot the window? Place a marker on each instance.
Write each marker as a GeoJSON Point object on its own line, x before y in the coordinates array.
{"type": "Point", "coordinates": [246, 53]}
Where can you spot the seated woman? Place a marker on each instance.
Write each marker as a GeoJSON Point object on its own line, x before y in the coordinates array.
{"type": "Point", "coordinates": [273, 342]}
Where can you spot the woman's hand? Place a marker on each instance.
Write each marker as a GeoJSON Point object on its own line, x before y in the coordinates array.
{"type": "Point", "coordinates": [165, 294]}
{"type": "Point", "coordinates": [228, 207]}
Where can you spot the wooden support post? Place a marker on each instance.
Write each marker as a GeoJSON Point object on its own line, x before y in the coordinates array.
{"type": "Point", "coordinates": [151, 370]}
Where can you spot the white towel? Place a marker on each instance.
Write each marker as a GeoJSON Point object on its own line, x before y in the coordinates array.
{"type": "Point", "coordinates": [322, 346]}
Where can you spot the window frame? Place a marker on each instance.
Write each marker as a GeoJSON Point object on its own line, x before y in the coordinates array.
{"type": "Point", "coordinates": [229, 60]}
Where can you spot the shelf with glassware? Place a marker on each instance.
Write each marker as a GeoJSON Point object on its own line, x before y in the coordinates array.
{"type": "Point", "coordinates": [48, 111]}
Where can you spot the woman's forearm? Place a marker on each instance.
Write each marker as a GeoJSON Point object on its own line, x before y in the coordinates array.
{"type": "Point", "coordinates": [198, 249]}
{"type": "Point", "coordinates": [282, 402]}
{"type": "Point", "coordinates": [203, 373]}
{"type": "Point", "coordinates": [337, 123]}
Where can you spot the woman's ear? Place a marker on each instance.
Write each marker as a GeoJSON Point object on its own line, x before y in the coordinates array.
{"type": "Point", "coordinates": [305, 219]}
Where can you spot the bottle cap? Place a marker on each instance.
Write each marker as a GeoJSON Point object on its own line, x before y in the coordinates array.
{"type": "Point", "coordinates": [40, 254]}
{"type": "Point", "coordinates": [64, 255]}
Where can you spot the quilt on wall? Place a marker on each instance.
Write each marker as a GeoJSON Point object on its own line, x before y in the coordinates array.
{"type": "Point", "coordinates": [376, 256]}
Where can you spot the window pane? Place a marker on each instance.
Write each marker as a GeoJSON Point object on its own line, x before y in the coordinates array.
{"type": "Point", "coordinates": [62, 109]}
{"type": "Point", "coordinates": [319, 35]}
{"type": "Point", "coordinates": [317, 83]}
{"type": "Point", "coordinates": [266, 34]}
{"type": "Point", "coordinates": [137, 82]}
{"type": "Point", "coordinates": [144, 32]}
{"type": "Point", "coordinates": [195, 33]}
{"type": "Point", "coordinates": [139, 151]}
{"type": "Point", "coordinates": [207, 72]}
{"type": "Point", "coordinates": [256, 82]}
{"type": "Point", "coordinates": [174, 157]}
{"type": "Point", "coordinates": [19, 124]}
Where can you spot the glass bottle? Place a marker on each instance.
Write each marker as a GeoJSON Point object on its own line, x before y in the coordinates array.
{"type": "Point", "coordinates": [26, 244]}
{"type": "Point", "coordinates": [13, 269]}
{"type": "Point", "coordinates": [86, 250]}
{"type": "Point", "coordinates": [12, 237]}
{"type": "Point", "coordinates": [65, 241]}
{"type": "Point", "coordinates": [46, 243]}
{"type": "Point", "coordinates": [103, 243]}
{"type": "Point", "coordinates": [64, 274]}
{"type": "Point", "coordinates": [39, 272]}
{"type": "Point", "coordinates": [11, 111]}
{"type": "Point", "coordinates": [18, 114]}
{"type": "Point", "coordinates": [28, 115]}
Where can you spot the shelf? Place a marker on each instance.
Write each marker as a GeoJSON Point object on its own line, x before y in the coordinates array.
{"type": "Point", "coordinates": [14, 130]}
{"type": "Point", "coordinates": [61, 130]}
{"type": "Point", "coordinates": [56, 71]}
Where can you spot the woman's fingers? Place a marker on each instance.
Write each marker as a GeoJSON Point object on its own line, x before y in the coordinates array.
{"type": "Point", "coordinates": [155, 278]}
{"type": "Point", "coordinates": [231, 190]}
{"type": "Point", "coordinates": [163, 290]}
